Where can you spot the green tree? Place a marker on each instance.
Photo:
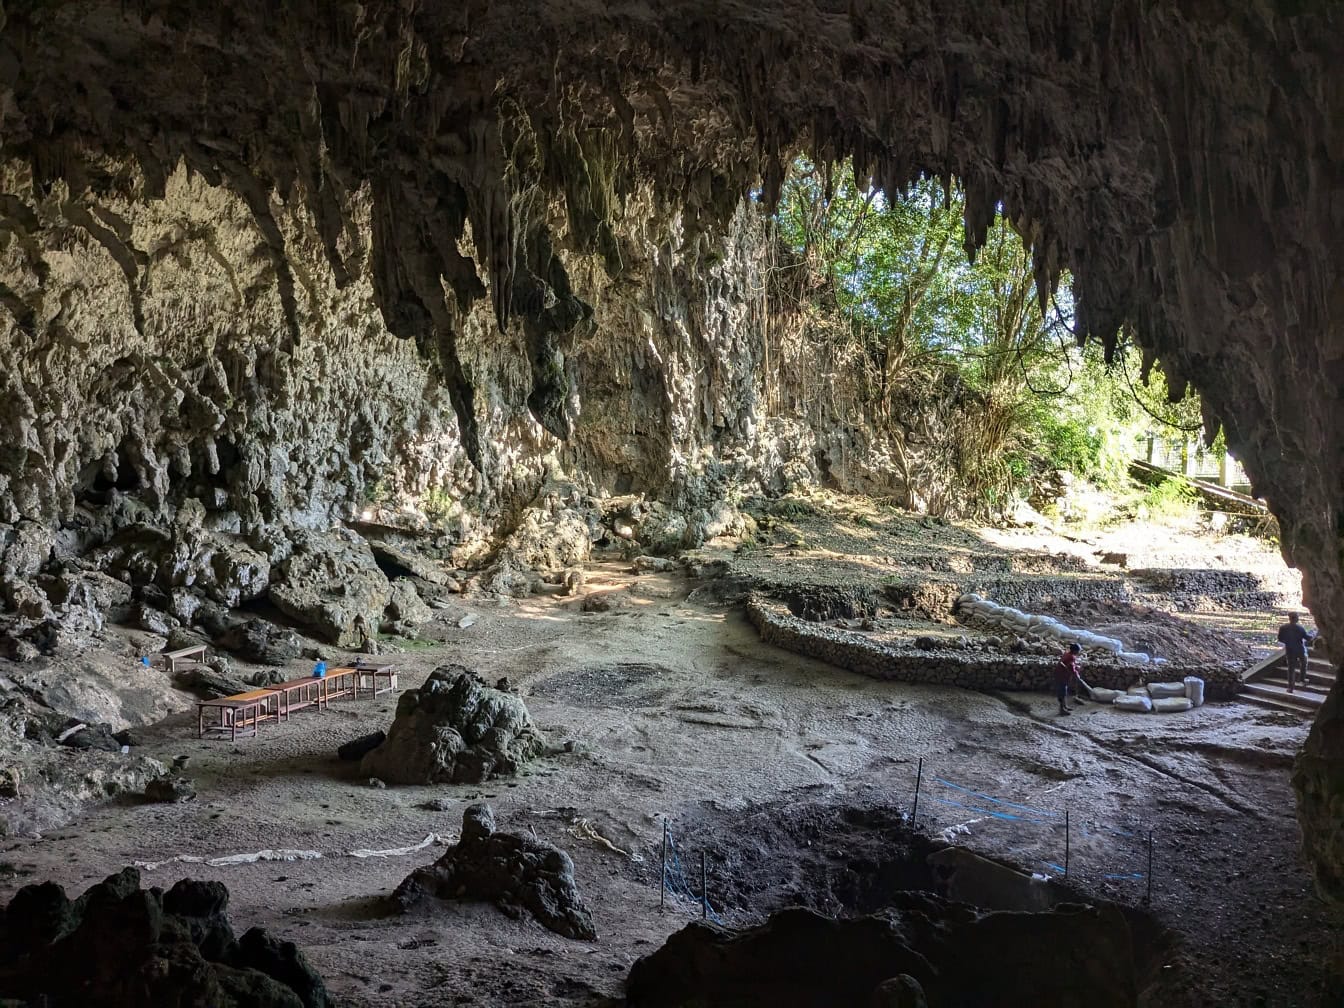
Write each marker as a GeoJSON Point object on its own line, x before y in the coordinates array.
{"type": "Point", "coordinates": [886, 274]}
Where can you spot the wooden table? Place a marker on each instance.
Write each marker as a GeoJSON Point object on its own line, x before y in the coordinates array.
{"type": "Point", "coordinates": [310, 691]}
{"type": "Point", "coordinates": [368, 676]}
{"type": "Point", "coordinates": [242, 710]}
{"type": "Point", "coordinates": [337, 683]}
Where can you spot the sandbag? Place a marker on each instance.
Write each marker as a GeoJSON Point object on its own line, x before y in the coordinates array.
{"type": "Point", "coordinates": [1137, 691]}
{"type": "Point", "coordinates": [1172, 705]}
{"type": "Point", "coordinates": [1133, 657]}
{"type": "Point", "coordinates": [1103, 695]}
{"type": "Point", "coordinates": [1158, 690]}
{"type": "Point", "coordinates": [1133, 702]}
{"type": "Point", "coordinates": [1194, 690]}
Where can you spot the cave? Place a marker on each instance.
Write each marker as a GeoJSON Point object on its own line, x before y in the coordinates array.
{"type": "Point", "coordinates": [498, 285]}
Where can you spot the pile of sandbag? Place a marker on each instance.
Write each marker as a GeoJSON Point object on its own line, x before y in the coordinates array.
{"type": "Point", "coordinates": [1162, 697]}
{"type": "Point", "coordinates": [990, 615]}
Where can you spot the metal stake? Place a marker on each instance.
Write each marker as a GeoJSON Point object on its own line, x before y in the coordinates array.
{"type": "Point", "coordinates": [1066, 843]}
{"type": "Point", "coordinates": [919, 776]}
{"type": "Point", "coordinates": [704, 887]}
{"type": "Point", "coordinates": [662, 875]}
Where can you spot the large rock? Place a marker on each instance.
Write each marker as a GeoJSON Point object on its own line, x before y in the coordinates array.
{"type": "Point", "coordinates": [406, 608]}
{"type": "Point", "coordinates": [516, 873]}
{"type": "Point", "coordinates": [1075, 957]}
{"type": "Point", "coordinates": [454, 728]}
{"type": "Point", "coordinates": [220, 566]}
{"type": "Point", "coordinates": [121, 945]}
{"type": "Point", "coordinates": [261, 641]}
{"type": "Point", "coordinates": [331, 584]}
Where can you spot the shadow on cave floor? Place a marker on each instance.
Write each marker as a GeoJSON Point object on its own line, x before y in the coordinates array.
{"type": "Point", "coordinates": [848, 861]}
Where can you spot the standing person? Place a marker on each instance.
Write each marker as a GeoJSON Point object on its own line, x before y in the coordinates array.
{"type": "Point", "coordinates": [1066, 674]}
{"type": "Point", "coordinates": [1295, 640]}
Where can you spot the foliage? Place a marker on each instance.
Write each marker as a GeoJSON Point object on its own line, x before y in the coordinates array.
{"type": "Point", "coordinates": [883, 277]}
{"type": "Point", "coordinates": [1171, 500]}
{"type": "Point", "coordinates": [437, 504]}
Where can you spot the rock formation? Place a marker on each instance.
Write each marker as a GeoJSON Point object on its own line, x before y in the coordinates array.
{"type": "Point", "coordinates": [516, 873]}
{"type": "Point", "coordinates": [454, 729]}
{"type": "Point", "coordinates": [289, 268]}
{"type": "Point", "coordinates": [123, 945]}
{"type": "Point", "coordinates": [950, 953]}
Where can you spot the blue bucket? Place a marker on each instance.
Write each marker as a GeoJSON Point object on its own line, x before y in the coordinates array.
{"type": "Point", "coordinates": [320, 670]}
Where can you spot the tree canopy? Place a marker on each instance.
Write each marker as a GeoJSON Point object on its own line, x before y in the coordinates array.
{"type": "Point", "coordinates": [891, 273]}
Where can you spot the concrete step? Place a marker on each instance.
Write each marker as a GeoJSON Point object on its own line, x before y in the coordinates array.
{"type": "Point", "coordinates": [1266, 703]}
{"type": "Point", "coordinates": [1265, 695]}
{"type": "Point", "coordinates": [1312, 685]}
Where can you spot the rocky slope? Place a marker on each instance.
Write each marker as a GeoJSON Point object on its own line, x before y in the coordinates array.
{"type": "Point", "coordinates": [217, 217]}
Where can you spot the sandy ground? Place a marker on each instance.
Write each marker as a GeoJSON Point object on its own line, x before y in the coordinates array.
{"type": "Point", "coordinates": [679, 713]}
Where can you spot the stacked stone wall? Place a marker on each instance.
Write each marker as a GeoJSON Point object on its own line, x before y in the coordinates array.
{"type": "Point", "coordinates": [946, 667]}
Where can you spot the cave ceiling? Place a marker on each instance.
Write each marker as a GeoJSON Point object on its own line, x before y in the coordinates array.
{"type": "Point", "coordinates": [1185, 161]}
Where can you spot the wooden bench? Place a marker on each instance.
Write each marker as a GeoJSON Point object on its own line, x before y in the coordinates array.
{"type": "Point", "coordinates": [368, 675]}
{"type": "Point", "coordinates": [184, 658]}
{"type": "Point", "coordinates": [241, 711]}
{"type": "Point", "coordinates": [297, 694]}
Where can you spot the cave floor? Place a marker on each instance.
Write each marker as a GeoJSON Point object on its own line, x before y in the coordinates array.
{"type": "Point", "coordinates": [678, 711]}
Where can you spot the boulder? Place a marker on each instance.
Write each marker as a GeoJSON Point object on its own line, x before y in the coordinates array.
{"type": "Point", "coordinates": [330, 583]}
{"type": "Point", "coordinates": [454, 728]}
{"type": "Point", "coordinates": [261, 641]}
{"type": "Point", "coordinates": [405, 605]}
{"type": "Point", "coordinates": [152, 620]}
{"type": "Point", "coordinates": [211, 683]}
{"type": "Point", "coordinates": [514, 872]}
{"type": "Point", "coordinates": [121, 945]}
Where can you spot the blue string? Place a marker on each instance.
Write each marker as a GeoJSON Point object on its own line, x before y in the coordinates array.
{"type": "Point", "coordinates": [1088, 830]}
{"type": "Point", "coordinates": [996, 801]}
{"type": "Point", "coordinates": [1008, 816]}
{"type": "Point", "coordinates": [679, 883]}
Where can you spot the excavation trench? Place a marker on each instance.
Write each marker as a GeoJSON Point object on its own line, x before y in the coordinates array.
{"type": "Point", "coordinates": [846, 862]}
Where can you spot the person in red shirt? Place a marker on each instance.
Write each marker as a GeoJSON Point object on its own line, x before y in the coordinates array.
{"type": "Point", "coordinates": [1066, 676]}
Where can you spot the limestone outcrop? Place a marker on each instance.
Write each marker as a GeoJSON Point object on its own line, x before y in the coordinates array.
{"type": "Point", "coordinates": [454, 729]}
{"type": "Point", "coordinates": [120, 944]}
{"type": "Point", "coordinates": [332, 584]}
{"type": "Point", "coordinates": [518, 874]}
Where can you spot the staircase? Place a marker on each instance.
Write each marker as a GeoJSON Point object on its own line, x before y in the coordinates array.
{"type": "Point", "coordinates": [1266, 685]}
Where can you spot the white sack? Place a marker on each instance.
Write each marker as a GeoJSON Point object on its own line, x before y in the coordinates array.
{"type": "Point", "coordinates": [1159, 690]}
{"type": "Point", "coordinates": [1134, 703]}
{"type": "Point", "coordinates": [1172, 705]}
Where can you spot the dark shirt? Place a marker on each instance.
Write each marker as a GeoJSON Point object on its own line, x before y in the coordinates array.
{"type": "Point", "coordinates": [1294, 638]}
{"type": "Point", "coordinates": [1067, 669]}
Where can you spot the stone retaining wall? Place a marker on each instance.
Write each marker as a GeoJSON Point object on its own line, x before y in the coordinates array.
{"type": "Point", "coordinates": [946, 667]}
